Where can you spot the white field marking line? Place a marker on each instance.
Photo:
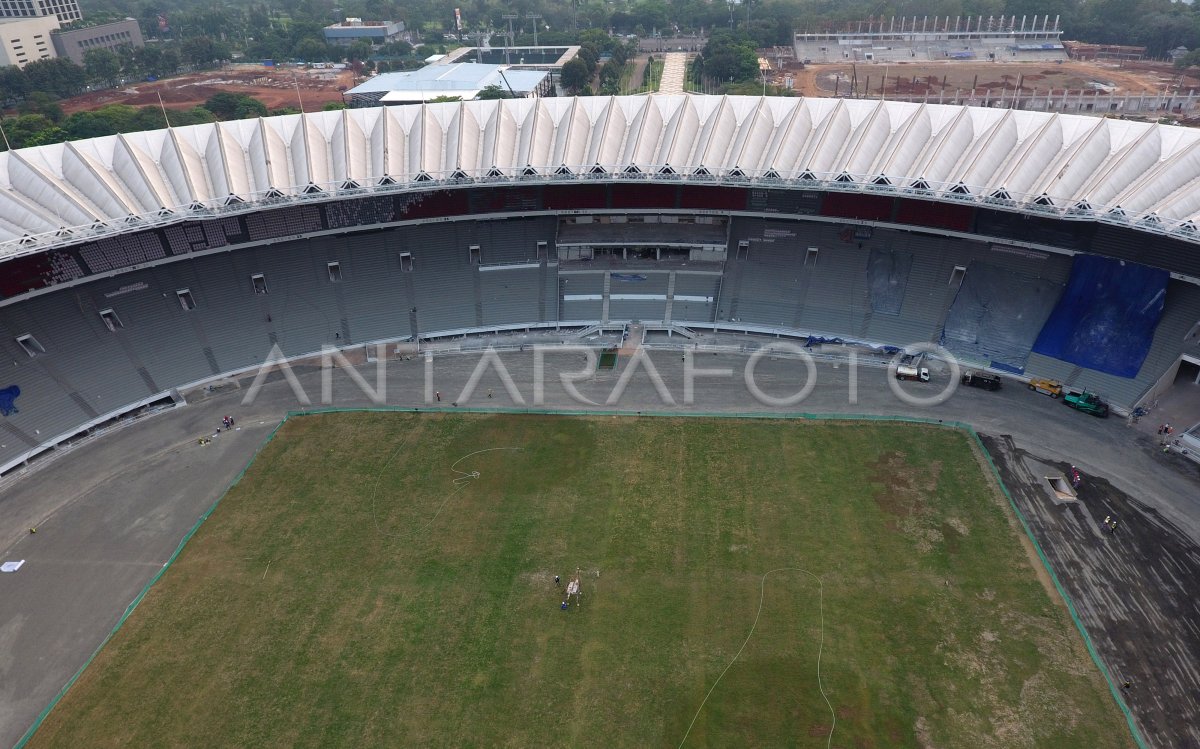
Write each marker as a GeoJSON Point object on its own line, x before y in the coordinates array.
{"type": "Point", "coordinates": [461, 481]}
{"type": "Point", "coordinates": [820, 649]}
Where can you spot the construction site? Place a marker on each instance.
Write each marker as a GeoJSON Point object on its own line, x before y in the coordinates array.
{"type": "Point", "coordinates": [276, 87]}
{"type": "Point", "coordinates": [1127, 87]}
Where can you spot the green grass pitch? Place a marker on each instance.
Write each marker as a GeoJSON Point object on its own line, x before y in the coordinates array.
{"type": "Point", "coordinates": [373, 582]}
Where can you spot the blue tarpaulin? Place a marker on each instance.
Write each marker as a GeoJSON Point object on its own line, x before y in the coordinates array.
{"type": "Point", "coordinates": [8, 400]}
{"type": "Point", "coordinates": [1106, 318]}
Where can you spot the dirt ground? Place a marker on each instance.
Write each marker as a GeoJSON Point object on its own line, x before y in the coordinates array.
{"type": "Point", "coordinates": [274, 87]}
{"type": "Point", "coordinates": [922, 78]}
{"type": "Point", "coordinates": [1133, 588]}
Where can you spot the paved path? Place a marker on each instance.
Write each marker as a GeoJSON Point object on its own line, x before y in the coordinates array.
{"type": "Point", "coordinates": [110, 514]}
{"type": "Point", "coordinates": [674, 67]}
{"type": "Point", "coordinates": [637, 74]}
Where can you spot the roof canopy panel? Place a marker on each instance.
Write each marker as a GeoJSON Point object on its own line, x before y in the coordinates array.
{"type": "Point", "coordinates": [959, 153]}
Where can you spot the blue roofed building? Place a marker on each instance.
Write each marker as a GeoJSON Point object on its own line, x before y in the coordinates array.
{"type": "Point", "coordinates": [463, 80]}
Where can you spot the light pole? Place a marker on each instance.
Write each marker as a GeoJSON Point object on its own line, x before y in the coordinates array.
{"type": "Point", "coordinates": [535, 17]}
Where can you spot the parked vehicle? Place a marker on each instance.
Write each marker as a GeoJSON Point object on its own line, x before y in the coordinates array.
{"type": "Point", "coordinates": [1052, 388]}
{"type": "Point", "coordinates": [909, 372]}
{"type": "Point", "coordinates": [983, 380]}
{"type": "Point", "coordinates": [1089, 403]}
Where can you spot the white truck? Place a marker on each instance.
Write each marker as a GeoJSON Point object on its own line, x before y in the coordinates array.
{"type": "Point", "coordinates": [912, 372]}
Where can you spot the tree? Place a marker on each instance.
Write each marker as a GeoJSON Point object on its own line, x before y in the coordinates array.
{"type": "Point", "coordinates": [493, 91]}
{"type": "Point", "coordinates": [231, 106]}
{"type": "Point", "coordinates": [58, 77]}
{"type": "Point", "coordinates": [13, 84]}
{"type": "Point", "coordinates": [202, 52]}
{"type": "Point", "coordinates": [39, 102]}
{"type": "Point", "coordinates": [1190, 60]}
{"type": "Point", "coordinates": [193, 116]}
{"type": "Point", "coordinates": [333, 106]}
{"type": "Point", "coordinates": [396, 49]}
{"type": "Point", "coordinates": [359, 51]}
{"type": "Point", "coordinates": [112, 119]}
{"type": "Point", "coordinates": [728, 57]}
{"type": "Point", "coordinates": [32, 130]}
{"type": "Point", "coordinates": [102, 65]}
{"type": "Point", "coordinates": [164, 61]}
{"type": "Point", "coordinates": [249, 107]}
{"type": "Point", "coordinates": [311, 49]}
{"type": "Point", "coordinates": [87, 125]}
{"type": "Point", "coordinates": [610, 77]}
{"type": "Point", "coordinates": [575, 75]}
{"type": "Point", "coordinates": [147, 118]}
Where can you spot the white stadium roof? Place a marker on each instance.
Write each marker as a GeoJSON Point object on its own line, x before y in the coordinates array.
{"type": "Point", "coordinates": [1075, 166]}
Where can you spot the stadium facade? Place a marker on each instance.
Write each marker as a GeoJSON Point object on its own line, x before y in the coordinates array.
{"type": "Point", "coordinates": [136, 265]}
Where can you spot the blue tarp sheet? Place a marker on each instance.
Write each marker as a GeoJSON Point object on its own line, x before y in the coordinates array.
{"type": "Point", "coordinates": [1106, 318]}
{"type": "Point", "coordinates": [8, 400]}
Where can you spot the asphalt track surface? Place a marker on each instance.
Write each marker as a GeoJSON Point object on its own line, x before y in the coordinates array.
{"type": "Point", "coordinates": [110, 513]}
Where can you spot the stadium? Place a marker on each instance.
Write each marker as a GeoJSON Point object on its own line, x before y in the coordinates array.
{"type": "Point", "coordinates": [145, 279]}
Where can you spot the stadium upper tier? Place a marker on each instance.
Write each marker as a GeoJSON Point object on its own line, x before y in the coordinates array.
{"type": "Point", "coordinates": [1115, 171]}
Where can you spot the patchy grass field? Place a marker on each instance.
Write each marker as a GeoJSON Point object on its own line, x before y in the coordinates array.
{"type": "Point", "coordinates": [348, 592]}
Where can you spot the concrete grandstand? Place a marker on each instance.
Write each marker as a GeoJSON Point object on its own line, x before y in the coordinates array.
{"type": "Point", "coordinates": [137, 270]}
{"type": "Point", "coordinates": [905, 39]}
{"type": "Point", "coordinates": [134, 266]}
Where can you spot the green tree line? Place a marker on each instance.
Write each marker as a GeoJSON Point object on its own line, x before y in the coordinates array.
{"type": "Point", "coordinates": [41, 120]}
{"type": "Point", "coordinates": [283, 29]}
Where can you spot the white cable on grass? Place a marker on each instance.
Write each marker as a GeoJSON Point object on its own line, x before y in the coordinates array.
{"type": "Point", "coordinates": [820, 650]}
{"type": "Point", "coordinates": [461, 481]}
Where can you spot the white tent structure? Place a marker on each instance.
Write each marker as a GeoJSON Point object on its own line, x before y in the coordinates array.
{"type": "Point", "coordinates": [1073, 166]}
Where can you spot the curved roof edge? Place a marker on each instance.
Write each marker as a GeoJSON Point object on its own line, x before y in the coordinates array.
{"type": "Point", "coordinates": [1139, 175]}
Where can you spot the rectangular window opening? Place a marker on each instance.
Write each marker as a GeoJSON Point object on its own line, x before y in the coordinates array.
{"type": "Point", "coordinates": [185, 299]}
{"type": "Point", "coordinates": [743, 250]}
{"type": "Point", "coordinates": [810, 257]}
{"type": "Point", "coordinates": [259, 283]}
{"type": "Point", "coordinates": [956, 276]}
{"type": "Point", "coordinates": [406, 262]}
{"type": "Point", "coordinates": [111, 321]}
{"type": "Point", "coordinates": [335, 272]}
{"type": "Point", "coordinates": [475, 254]}
{"type": "Point", "coordinates": [541, 250]}
{"type": "Point", "coordinates": [30, 345]}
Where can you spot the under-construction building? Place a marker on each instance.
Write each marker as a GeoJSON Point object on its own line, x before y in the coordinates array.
{"type": "Point", "coordinates": [937, 38]}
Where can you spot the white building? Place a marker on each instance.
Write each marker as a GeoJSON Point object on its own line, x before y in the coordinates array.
{"type": "Point", "coordinates": [23, 40]}
{"type": "Point", "coordinates": [438, 81]}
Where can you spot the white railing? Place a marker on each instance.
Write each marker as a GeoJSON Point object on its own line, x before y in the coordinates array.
{"type": "Point", "coordinates": [825, 182]}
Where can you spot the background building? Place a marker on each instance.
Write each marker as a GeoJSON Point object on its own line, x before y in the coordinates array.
{"type": "Point", "coordinates": [66, 11]}
{"type": "Point", "coordinates": [356, 30]}
{"type": "Point", "coordinates": [26, 39]}
{"type": "Point", "coordinates": [464, 80]}
{"type": "Point", "coordinates": [911, 39]}
{"type": "Point", "coordinates": [74, 43]}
